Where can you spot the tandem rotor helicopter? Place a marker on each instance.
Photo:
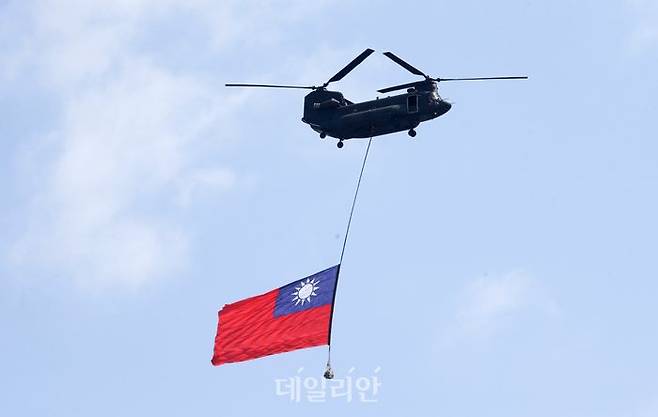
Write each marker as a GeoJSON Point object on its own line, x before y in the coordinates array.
{"type": "Point", "coordinates": [330, 113]}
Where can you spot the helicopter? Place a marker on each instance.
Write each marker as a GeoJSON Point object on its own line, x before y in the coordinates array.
{"type": "Point", "coordinates": [330, 114]}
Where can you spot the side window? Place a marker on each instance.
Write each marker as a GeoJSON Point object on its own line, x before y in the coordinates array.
{"type": "Point", "coordinates": [412, 104]}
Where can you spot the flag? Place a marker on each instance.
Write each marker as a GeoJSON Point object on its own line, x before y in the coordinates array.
{"type": "Point", "coordinates": [295, 316]}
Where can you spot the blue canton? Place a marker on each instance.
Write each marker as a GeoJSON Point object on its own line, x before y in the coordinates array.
{"type": "Point", "coordinates": [323, 284]}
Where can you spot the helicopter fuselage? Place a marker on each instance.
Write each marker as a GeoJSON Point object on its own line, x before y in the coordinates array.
{"type": "Point", "coordinates": [329, 113]}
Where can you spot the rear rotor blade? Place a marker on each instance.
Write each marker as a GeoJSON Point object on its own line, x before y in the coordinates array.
{"type": "Point", "coordinates": [404, 64]}
{"type": "Point", "coordinates": [349, 67]}
{"type": "Point", "coordinates": [398, 87]}
{"type": "Point", "coordinates": [307, 87]}
{"type": "Point", "coordinates": [480, 78]}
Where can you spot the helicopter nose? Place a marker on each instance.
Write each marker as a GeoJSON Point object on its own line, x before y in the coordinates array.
{"type": "Point", "coordinates": [445, 106]}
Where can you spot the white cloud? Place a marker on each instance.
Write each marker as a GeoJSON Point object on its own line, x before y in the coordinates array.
{"type": "Point", "coordinates": [490, 302]}
{"type": "Point", "coordinates": [131, 134]}
{"type": "Point", "coordinates": [645, 28]}
{"type": "Point", "coordinates": [255, 23]}
{"type": "Point", "coordinates": [120, 147]}
{"type": "Point", "coordinates": [204, 180]}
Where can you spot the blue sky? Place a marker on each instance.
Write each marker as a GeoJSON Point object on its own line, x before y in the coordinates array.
{"type": "Point", "coordinates": [502, 263]}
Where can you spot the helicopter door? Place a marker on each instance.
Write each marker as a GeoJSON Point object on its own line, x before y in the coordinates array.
{"type": "Point", "coordinates": [412, 104]}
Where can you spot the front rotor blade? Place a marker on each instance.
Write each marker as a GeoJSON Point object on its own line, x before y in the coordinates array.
{"type": "Point", "coordinates": [349, 67]}
{"type": "Point", "coordinates": [480, 78]}
{"type": "Point", "coordinates": [404, 64]}
{"type": "Point", "coordinates": [307, 87]}
{"type": "Point", "coordinates": [398, 87]}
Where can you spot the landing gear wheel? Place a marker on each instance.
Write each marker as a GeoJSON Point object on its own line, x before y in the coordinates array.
{"type": "Point", "coordinates": [323, 135]}
{"type": "Point", "coordinates": [339, 144]}
{"type": "Point", "coordinates": [412, 133]}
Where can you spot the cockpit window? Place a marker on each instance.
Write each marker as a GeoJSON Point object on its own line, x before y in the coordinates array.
{"type": "Point", "coordinates": [435, 96]}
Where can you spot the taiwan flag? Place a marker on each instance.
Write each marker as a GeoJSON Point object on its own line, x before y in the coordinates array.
{"type": "Point", "coordinates": [295, 316]}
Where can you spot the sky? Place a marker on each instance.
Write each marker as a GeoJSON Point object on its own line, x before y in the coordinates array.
{"type": "Point", "coordinates": [501, 263]}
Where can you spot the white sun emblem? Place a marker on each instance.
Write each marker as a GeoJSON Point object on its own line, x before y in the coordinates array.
{"type": "Point", "coordinates": [305, 291]}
